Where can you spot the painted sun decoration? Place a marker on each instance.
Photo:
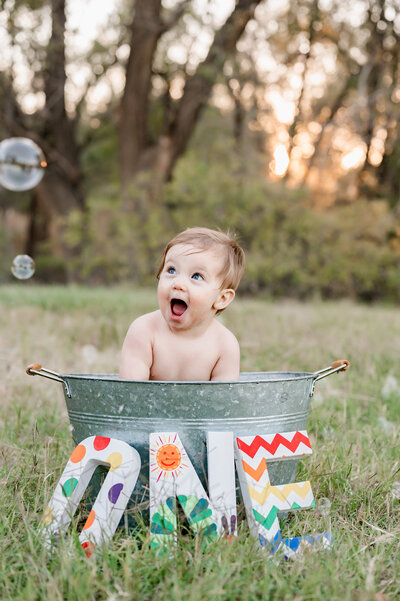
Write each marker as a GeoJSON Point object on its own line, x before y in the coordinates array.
{"type": "Point", "coordinates": [168, 458]}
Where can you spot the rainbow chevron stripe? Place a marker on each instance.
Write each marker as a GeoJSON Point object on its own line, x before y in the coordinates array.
{"type": "Point", "coordinates": [300, 490]}
{"type": "Point", "coordinates": [289, 547]}
{"type": "Point", "coordinates": [276, 446]}
{"type": "Point", "coordinates": [263, 501]}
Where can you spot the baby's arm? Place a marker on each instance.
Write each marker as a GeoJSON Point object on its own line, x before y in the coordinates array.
{"type": "Point", "coordinates": [227, 368]}
{"type": "Point", "coordinates": [137, 354]}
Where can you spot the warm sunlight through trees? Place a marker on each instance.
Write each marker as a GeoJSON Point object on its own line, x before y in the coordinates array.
{"type": "Point", "coordinates": [303, 93]}
{"type": "Point", "coordinates": [280, 162]}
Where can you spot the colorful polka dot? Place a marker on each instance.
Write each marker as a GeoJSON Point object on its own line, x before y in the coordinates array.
{"type": "Point", "coordinates": [101, 442]}
{"type": "Point", "coordinates": [56, 537]}
{"type": "Point", "coordinates": [88, 547]}
{"type": "Point", "coordinates": [78, 454]}
{"type": "Point", "coordinates": [69, 486]}
{"type": "Point", "coordinates": [114, 492]}
{"type": "Point", "coordinates": [90, 520]}
{"type": "Point", "coordinates": [115, 460]}
{"type": "Point", "coordinates": [48, 516]}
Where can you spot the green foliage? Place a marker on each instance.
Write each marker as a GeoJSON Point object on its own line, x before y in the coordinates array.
{"type": "Point", "coordinates": [98, 155]}
{"type": "Point", "coordinates": [50, 268]}
{"type": "Point", "coordinates": [291, 248]}
{"type": "Point", "coordinates": [355, 463]}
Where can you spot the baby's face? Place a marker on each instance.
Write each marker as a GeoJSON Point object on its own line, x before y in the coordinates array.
{"type": "Point", "coordinates": [190, 286]}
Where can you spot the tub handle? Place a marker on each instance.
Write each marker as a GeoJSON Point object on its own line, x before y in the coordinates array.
{"type": "Point", "coordinates": [339, 365]}
{"type": "Point", "coordinates": [35, 369]}
{"type": "Point", "coordinates": [335, 367]}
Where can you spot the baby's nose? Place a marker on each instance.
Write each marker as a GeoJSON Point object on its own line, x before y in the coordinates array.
{"type": "Point", "coordinates": [179, 283]}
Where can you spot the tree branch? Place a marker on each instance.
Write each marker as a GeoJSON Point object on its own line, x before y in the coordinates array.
{"type": "Point", "coordinates": [198, 87]}
{"type": "Point", "coordinates": [169, 23]}
{"type": "Point", "coordinates": [146, 29]}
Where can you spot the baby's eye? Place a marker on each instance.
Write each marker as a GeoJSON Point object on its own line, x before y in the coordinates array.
{"type": "Point", "coordinates": [171, 270]}
{"type": "Point", "coordinates": [197, 276]}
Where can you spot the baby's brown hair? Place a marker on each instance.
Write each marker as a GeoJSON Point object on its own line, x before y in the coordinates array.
{"type": "Point", "coordinates": [205, 238]}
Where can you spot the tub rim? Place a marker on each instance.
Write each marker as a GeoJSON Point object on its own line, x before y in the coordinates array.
{"type": "Point", "coordinates": [292, 376]}
{"type": "Point", "coordinates": [285, 376]}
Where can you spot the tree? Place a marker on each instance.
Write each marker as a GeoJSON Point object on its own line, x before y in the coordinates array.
{"type": "Point", "coordinates": [139, 151]}
{"type": "Point", "coordinates": [362, 94]}
{"type": "Point", "coordinates": [60, 191]}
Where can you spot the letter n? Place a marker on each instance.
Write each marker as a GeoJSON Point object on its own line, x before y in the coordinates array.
{"type": "Point", "coordinates": [124, 463]}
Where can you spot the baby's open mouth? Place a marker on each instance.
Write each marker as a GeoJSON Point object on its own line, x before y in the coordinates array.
{"type": "Point", "coordinates": [178, 307]}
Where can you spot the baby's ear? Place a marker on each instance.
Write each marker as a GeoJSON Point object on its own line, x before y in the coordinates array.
{"type": "Point", "coordinates": [225, 298]}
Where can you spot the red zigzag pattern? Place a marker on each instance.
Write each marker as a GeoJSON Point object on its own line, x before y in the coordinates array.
{"type": "Point", "coordinates": [278, 439]}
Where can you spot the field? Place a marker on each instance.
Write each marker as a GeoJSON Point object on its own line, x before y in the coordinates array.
{"type": "Point", "coordinates": [354, 425]}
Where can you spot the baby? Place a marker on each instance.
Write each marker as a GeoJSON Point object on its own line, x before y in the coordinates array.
{"type": "Point", "coordinates": [199, 273]}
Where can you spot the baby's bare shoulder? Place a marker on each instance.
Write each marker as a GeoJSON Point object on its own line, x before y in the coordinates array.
{"type": "Point", "coordinates": [227, 366]}
{"type": "Point", "coordinates": [225, 336]}
{"type": "Point", "coordinates": [143, 325]}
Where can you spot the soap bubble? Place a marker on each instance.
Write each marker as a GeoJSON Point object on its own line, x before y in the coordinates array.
{"type": "Point", "coordinates": [22, 164]}
{"type": "Point", "coordinates": [324, 506]}
{"type": "Point", "coordinates": [23, 267]}
{"type": "Point", "coordinates": [328, 433]}
{"type": "Point", "coordinates": [396, 490]}
{"type": "Point", "coordinates": [387, 427]}
{"type": "Point", "coordinates": [89, 354]}
{"type": "Point", "coordinates": [390, 387]}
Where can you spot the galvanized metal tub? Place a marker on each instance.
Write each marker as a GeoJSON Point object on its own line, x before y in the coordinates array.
{"type": "Point", "coordinates": [129, 410]}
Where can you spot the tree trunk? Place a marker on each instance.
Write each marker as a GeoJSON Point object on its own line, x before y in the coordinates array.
{"type": "Point", "coordinates": [60, 191]}
{"type": "Point", "coordinates": [137, 151]}
{"type": "Point", "coordinates": [373, 86]}
{"type": "Point", "coordinates": [293, 130]}
{"type": "Point", "coordinates": [350, 84]}
{"type": "Point", "coordinates": [146, 29]}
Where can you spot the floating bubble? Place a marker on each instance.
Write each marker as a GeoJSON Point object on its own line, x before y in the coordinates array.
{"type": "Point", "coordinates": [318, 398]}
{"type": "Point", "coordinates": [22, 164]}
{"type": "Point", "coordinates": [390, 387]}
{"type": "Point", "coordinates": [23, 267]}
{"type": "Point", "coordinates": [386, 426]}
{"type": "Point", "coordinates": [324, 506]}
{"type": "Point", "coordinates": [328, 433]}
{"type": "Point", "coordinates": [396, 490]}
{"type": "Point", "coordinates": [89, 354]}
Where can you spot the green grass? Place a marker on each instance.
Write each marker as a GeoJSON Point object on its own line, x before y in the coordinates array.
{"type": "Point", "coordinates": [354, 464]}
